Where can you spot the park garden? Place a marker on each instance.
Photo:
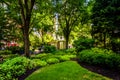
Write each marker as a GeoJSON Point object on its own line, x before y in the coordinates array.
{"type": "Point", "coordinates": [59, 40]}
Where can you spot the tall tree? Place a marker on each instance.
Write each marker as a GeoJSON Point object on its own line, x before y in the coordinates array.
{"type": "Point", "coordinates": [20, 12]}
{"type": "Point", "coordinates": [105, 19]}
{"type": "Point", "coordinates": [26, 7]}
{"type": "Point", "coordinates": [70, 14]}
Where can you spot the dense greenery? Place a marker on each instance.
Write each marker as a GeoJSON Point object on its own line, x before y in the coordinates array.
{"type": "Point", "coordinates": [78, 24]}
{"type": "Point", "coordinates": [15, 67]}
{"type": "Point", "coordinates": [100, 57]}
{"type": "Point", "coordinates": [49, 49]}
{"type": "Point", "coordinates": [65, 71]}
{"type": "Point", "coordinates": [5, 52]}
{"type": "Point", "coordinates": [105, 23]}
{"type": "Point", "coordinates": [83, 43]}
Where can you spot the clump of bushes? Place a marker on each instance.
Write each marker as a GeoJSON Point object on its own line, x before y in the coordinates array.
{"type": "Point", "coordinates": [49, 48]}
{"type": "Point", "coordinates": [5, 52]}
{"type": "Point", "coordinates": [66, 57]}
{"type": "Point", "coordinates": [83, 43]}
{"type": "Point", "coordinates": [52, 60]}
{"type": "Point", "coordinates": [100, 57]}
{"type": "Point", "coordinates": [39, 62]}
{"type": "Point", "coordinates": [71, 51]}
{"type": "Point", "coordinates": [14, 49]}
{"type": "Point", "coordinates": [15, 67]}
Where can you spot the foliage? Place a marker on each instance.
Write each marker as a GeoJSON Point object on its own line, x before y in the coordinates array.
{"type": "Point", "coordinates": [61, 56]}
{"type": "Point", "coordinates": [5, 52]}
{"type": "Point", "coordinates": [49, 48]}
{"type": "Point", "coordinates": [52, 60]}
{"type": "Point", "coordinates": [14, 49]}
{"type": "Point", "coordinates": [71, 51]}
{"type": "Point", "coordinates": [15, 67]}
{"type": "Point", "coordinates": [39, 62]}
{"type": "Point", "coordinates": [39, 56]}
{"type": "Point", "coordinates": [100, 57]}
{"type": "Point", "coordinates": [68, 70]}
{"type": "Point", "coordinates": [83, 43]}
{"type": "Point", "coordinates": [69, 14]}
{"type": "Point", "coordinates": [105, 22]}
{"type": "Point", "coordinates": [66, 57]}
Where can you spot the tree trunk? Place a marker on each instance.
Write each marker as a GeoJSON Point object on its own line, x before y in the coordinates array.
{"type": "Point", "coordinates": [67, 41]}
{"type": "Point", "coordinates": [26, 7]}
{"type": "Point", "coordinates": [26, 43]}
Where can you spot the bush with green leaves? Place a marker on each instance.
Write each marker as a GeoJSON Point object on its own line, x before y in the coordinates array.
{"type": "Point", "coordinates": [39, 62]}
{"type": "Point", "coordinates": [15, 67]}
{"type": "Point", "coordinates": [83, 43]}
{"type": "Point", "coordinates": [100, 57]}
{"type": "Point", "coordinates": [14, 49]}
{"type": "Point", "coordinates": [52, 60]}
{"type": "Point", "coordinates": [49, 48]}
{"type": "Point", "coordinates": [39, 56]}
{"type": "Point", "coordinates": [5, 52]}
{"type": "Point", "coordinates": [66, 57]}
{"type": "Point", "coordinates": [71, 51]}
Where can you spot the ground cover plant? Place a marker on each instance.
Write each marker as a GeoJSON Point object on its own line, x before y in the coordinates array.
{"type": "Point", "coordinates": [68, 70]}
{"type": "Point", "coordinates": [12, 68]}
{"type": "Point", "coordinates": [56, 57]}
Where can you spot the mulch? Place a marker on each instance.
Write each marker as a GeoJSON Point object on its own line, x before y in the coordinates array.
{"type": "Point", "coordinates": [110, 73]}
{"type": "Point", "coordinates": [27, 73]}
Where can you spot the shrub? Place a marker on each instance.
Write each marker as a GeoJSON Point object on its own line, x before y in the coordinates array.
{"type": "Point", "coordinates": [5, 52]}
{"type": "Point", "coordinates": [14, 49]}
{"type": "Point", "coordinates": [52, 60]}
{"type": "Point", "coordinates": [39, 56]}
{"type": "Point", "coordinates": [39, 62]}
{"type": "Point", "coordinates": [15, 67]}
{"type": "Point", "coordinates": [59, 52]}
{"type": "Point", "coordinates": [49, 48]}
{"type": "Point", "coordinates": [83, 43]}
{"type": "Point", "coordinates": [71, 51]}
{"type": "Point", "coordinates": [100, 57]}
{"type": "Point", "coordinates": [64, 58]}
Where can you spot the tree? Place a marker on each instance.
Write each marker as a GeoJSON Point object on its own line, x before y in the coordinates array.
{"type": "Point", "coordinates": [105, 19]}
{"type": "Point", "coordinates": [26, 7]}
{"type": "Point", "coordinates": [70, 14]}
{"type": "Point", "coordinates": [20, 12]}
{"type": "Point", "coordinates": [44, 25]}
{"type": "Point", "coordinates": [8, 30]}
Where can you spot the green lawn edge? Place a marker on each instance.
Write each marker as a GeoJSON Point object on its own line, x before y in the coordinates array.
{"type": "Point", "coordinates": [69, 70]}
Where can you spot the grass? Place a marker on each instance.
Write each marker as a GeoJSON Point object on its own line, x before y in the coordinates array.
{"type": "Point", "coordinates": [68, 70]}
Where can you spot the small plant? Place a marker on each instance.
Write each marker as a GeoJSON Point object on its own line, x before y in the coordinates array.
{"type": "Point", "coordinates": [15, 67]}
{"type": "Point", "coordinates": [70, 51]}
{"type": "Point", "coordinates": [52, 60]}
{"type": "Point", "coordinates": [39, 63]}
{"type": "Point", "coordinates": [5, 52]}
{"type": "Point", "coordinates": [64, 58]}
{"type": "Point", "coordinates": [49, 48]}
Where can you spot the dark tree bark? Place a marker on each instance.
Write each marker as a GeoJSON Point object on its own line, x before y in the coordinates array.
{"type": "Point", "coordinates": [67, 41]}
{"type": "Point", "coordinates": [26, 7]}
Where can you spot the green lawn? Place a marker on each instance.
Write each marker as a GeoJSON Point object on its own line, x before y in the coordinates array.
{"type": "Point", "coordinates": [68, 70]}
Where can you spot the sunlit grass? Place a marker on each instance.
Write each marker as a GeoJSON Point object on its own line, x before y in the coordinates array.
{"type": "Point", "coordinates": [69, 70]}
